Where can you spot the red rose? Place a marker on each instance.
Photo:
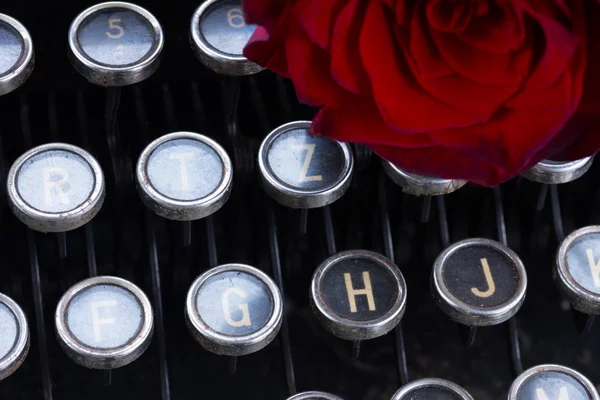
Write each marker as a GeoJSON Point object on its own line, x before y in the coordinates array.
{"type": "Point", "coordinates": [472, 89]}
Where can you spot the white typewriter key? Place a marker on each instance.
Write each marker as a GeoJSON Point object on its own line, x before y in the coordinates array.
{"type": "Point", "coordinates": [16, 54]}
{"type": "Point", "coordinates": [218, 34]}
{"type": "Point", "coordinates": [314, 396]}
{"type": "Point", "coordinates": [358, 295]}
{"type": "Point", "coordinates": [104, 322]}
{"type": "Point", "coordinates": [479, 282]}
{"type": "Point", "coordinates": [14, 336]}
{"type": "Point", "coordinates": [554, 172]}
{"type": "Point", "coordinates": [577, 269]}
{"type": "Point", "coordinates": [419, 185]}
{"type": "Point", "coordinates": [55, 187]}
{"type": "Point", "coordinates": [431, 389]}
{"type": "Point", "coordinates": [304, 171]}
{"type": "Point", "coordinates": [234, 310]}
{"type": "Point", "coordinates": [115, 44]}
{"type": "Point", "coordinates": [184, 176]}
{"type": "Point", "coordinates": [551, 381]}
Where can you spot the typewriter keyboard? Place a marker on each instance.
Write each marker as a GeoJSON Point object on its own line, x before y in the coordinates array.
{"type": "Point", "coordinates": [170, 230]}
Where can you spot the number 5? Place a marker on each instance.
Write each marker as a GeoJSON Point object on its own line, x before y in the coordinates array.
{"type": "Point", "coordinates": [235, 18]}
{"type": "Point", "coordinates": [112, 24]}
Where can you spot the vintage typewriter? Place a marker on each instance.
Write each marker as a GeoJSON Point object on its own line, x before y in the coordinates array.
{"type": "Point", "coordinates": [283, 264]}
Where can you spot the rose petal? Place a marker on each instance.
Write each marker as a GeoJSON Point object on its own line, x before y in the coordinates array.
{"type": "Point", "coordinates": [268, 50]}
{"type": "Point", "coordinates": [264, 12]}
{"type": "Point", "coordinates": [318, 18]}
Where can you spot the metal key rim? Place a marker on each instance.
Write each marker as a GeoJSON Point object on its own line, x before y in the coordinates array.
{"type": "Point", "coordinates": [466, 313]}
{"type": "Point", "coordinates": [428, 382]}
{"type": "Point", "coordinates": [293, 197]}
{"type": "Point", "coordinates": [419, 185]}
{"type": "Point", "coordinates": [17, 354]}
{"type": "Point", "coordinates": [43, 221]}
{"type": "Point", "coordinates": [108, 358]}
{"type": "Point", "coordinates": [556, 172]}
{"type": "Point", "coordinates": [24, 66]}
{"type": "Point", "coordinates": [227, 344]}
{"type": "Point", "coordinates": [314, 395]}
{"type": "Point", "coordinates": [513, 393]}
{"type": "Point", "coordinates": [111, 75]}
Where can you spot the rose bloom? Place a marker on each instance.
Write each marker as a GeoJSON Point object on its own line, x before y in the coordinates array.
{"type": "Point", "coordinates": [472, 89]}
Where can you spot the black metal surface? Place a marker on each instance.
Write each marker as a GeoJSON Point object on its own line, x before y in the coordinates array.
{"type": "Point", "coordinates": [164, 257]}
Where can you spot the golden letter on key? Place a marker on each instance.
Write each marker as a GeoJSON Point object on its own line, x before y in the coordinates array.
{"type": "Point", "coordinates": [594, 267]}
{"type": "Point", "coordinates": [488, 278]}
{"type": "Point", "coordinates": [352, 293]}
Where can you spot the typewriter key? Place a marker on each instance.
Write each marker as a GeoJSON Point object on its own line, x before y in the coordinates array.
{"type": "Point", "coordinates": [184, 176]}
{"type": "Point", "coordinates": [16, 54]}
{"type": "Point", "coordinates": [358, 294]}
{"type": "Point", "coordinates": [218, 34]}
{"type": "Point", "coordinates": [115, 44]}
{"type": "Point", "coordinates": [418, 185]}
{"type": "Point", "coordinates": [577, 269]}
{"type": "Point", "coordinates": [55, 187]}
{"type": "Point", "coordinates": [14, 336]}
{"type": "Point", "coordinates": [234, 310]}
{"type": "Point", "coordinates": [554, 172]}
{"type": "Point", "coordinates": [303, 171]}
{"type": "Point", "coordinates": [479, 282]}
{"type": "Point", "coordinates": [551, 381]}
{"type": "Point", "coordinates": [104, 322]}
{"type": "Point", "coordinates": [432, 388]}
{"type": "Point", "coordinates": [314, 396]}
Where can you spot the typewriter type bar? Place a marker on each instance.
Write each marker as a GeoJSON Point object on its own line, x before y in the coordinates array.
{"type": "Point", "coordinates": [104, 322]}
{"type": "Point", "coordinates": [551, 381]}
{"type": "Point", "coordinates": [314, 396]}
{"type": "Point", "coordinates": [479, 282]}
{"type": "Point", "coordinates": [184, 176]}
{"type": "Point", "coordinates": [115, 44]}
{"type": "Point", "coordinates": [358, 295]}
{"type": "Point", "coordinates": [55, 187]}
{"type": "Point", "coordinates": [431, 388]}
{"type": "Point", "coordinates": [16, 54]}
{"type": "Point", "coordinates": [218, 34]}
{"type": "Point", "coordinates": [14, 338]}
{"type": "Point", "coordinates": [419, 185]}
{"type": "Point", "coordinates": [234, 310]}
{"type": "Point", "coordinates": [303, 171]}
{"type": "Point", "coordinates": [555, 172]}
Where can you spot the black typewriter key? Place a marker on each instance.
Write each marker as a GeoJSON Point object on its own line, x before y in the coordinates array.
{"type": "Point", "coordinates": [431, 389]}
{"type": "Point", "coordinates": [14, 336]}
{"type": "Point", "coordinates": [184, 176]}
{"type": "Point", "coordinates": [419, 185]}
{"type": "Point", "coordinates": [479, 282]}
{"type": "Point", "coordinates": [358, 295]}
{"type": "Point", "coordinates": [16, 54]}
{"type": "Point", "coordinates": [234, 310]}
{"type": "Point", "coordinates": [104, 322]}
{"type": "Point", "coordinates": [577, 269]}
{"type": "Point", "coordinates": [552, 382]}
{"type": "Point", "coordinates": [218, 35]}
{"type": "Point", "coordinates": [554, 172]}
{"type": "Point", "coordinates": [55, 187]}
{"type": "Point", "coordinates": [115, 44]}
{"type": "Point", "coordinates": [304, 171]}
{"type": "Point", "coordinates": [314, 396]}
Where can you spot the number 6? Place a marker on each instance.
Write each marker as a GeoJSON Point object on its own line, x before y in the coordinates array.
{"type": "Point", "coordinates": [233, 15]}
{"type": "Point", "coordinates": [112, 24]}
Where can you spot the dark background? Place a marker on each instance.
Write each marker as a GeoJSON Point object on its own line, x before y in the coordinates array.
{"type": "Point", "coordinates": [57, 104]}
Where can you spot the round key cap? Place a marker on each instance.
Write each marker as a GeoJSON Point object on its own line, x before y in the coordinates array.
{"type": "Point", "coordinates": [419, 185]}
{"type": "Point", "coordinates": [430, 389]}
{"type": "Point", "coordinates": [184, 176]}
{"type": "Point", "coordinates": [577, 269]}
{"type": "Point", "coordinates": [303, 171]}
{"type": "Point", "coordinates": [218, 34]}
{"type": "Point", "coordinates": [554, 172]}
{"type": "Point", "coordinates": [479, 282]}
{"type": "Point", "coordinates": [104, 322]}
{"type": "Point", "coordinates": [55, 187]}
{"type": "Point", "coordinates": [115, 44]}
{"type": "Point", "coordinates": [16, 54]}
{"type": "Point", "coordinates": [552, 382]}
{"type": "Point", "coordinates": [314, 396]}
{"type": "Point", "coordinates": [234, 310]}
{"type": "Point", "coordinates": [14, 336]}
{"type": "Point", "coordinates": [358, 294]}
